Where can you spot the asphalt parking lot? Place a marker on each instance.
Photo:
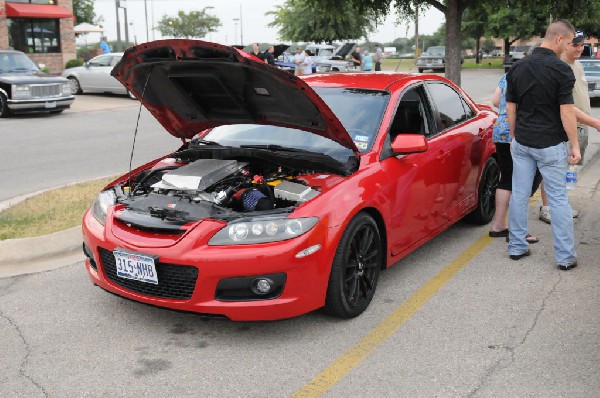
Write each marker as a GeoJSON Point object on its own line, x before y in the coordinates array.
{"type": "Point", "coordinates": [454, 318]}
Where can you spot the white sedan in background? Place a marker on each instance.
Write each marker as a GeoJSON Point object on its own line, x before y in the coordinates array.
{"type": "Point", "coordinates": [94, 76]}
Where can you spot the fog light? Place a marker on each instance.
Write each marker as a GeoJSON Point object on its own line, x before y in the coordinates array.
{"type": "Point", "coordinates": [262, 285]}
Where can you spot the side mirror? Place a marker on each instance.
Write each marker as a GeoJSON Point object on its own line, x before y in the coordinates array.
{"type": "Point", "coordinates": [404, 144]}
{"type": "Point", "coordinates": [87, 64]}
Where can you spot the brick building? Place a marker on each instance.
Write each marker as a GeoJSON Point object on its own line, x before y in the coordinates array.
{"type": "Point", "coordinates": [43, 29]}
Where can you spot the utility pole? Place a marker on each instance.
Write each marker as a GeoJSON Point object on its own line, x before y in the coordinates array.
{"type": "Point", "coordinates": [126, 23]}
{"type": "Point", "coordinates": [417, 51]}
{"type": "Point", "coordinates": [118, 26]}
{"type": "Point", "coordinates": [146, 12]}
{"type": "Point", "coordinates": [241, 27]}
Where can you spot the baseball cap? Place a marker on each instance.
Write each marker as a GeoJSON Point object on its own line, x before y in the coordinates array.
{"type": "Point", "coordinates": [579, 37]}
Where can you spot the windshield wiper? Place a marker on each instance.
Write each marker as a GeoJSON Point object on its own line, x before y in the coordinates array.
{"type": "Point", "coordinates": [206, 142]}
{"type": "Point", "coordinates": [274, 147]}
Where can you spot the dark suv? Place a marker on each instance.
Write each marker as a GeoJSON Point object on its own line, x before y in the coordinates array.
{"type": "Point", "coordinates": [24, 88]}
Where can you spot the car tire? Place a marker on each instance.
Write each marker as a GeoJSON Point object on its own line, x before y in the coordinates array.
{"type": "Point", "coordinates": [4, 111]}
{"type": "Point", "coordinates": [355, 269]}
{"type": "Point", "coordinates": [421, 70]}
{"type": "Point", "coordinates": [75, 86]}
{"type": "Point", "coordinates": [486, 194]}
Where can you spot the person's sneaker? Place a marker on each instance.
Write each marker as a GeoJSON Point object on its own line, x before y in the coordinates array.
{"type": "Point", "coordinates": [566, 267]}
{"type": "Point", "coordinates": [545, 215]}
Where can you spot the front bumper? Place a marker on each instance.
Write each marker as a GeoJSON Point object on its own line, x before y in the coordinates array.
{"type": "Point", "coordinates": [40, 104]}
{"type": "Point", "coordinates": [304, 290]}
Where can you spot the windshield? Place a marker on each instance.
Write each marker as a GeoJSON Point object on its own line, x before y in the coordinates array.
{"type": "Point", "coordinates": [16, 62]}
{"type": "Point", "coordinates": [436, 51]}
{"type": "Point", "coordinates": [591, 66]}
{"type": "Point", "coordinates": [359, 110]}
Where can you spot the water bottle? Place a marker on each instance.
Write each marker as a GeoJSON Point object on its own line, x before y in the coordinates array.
{"type": "Point", "coordinates": [572, 177]}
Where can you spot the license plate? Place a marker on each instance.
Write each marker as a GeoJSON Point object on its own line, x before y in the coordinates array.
{"type": "Point", "coordinates": [135, 266]}
{"type": "Point", "coordinates": [50, 105]}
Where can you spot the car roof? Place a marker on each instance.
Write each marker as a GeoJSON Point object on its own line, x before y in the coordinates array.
{"type": "Point", "coordinates": [374, 81]}
{"type": "Point", "coordinates": [11, 52]}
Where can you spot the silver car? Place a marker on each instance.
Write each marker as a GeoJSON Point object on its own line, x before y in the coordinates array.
{"type": "Point", "coordinates": [591, 67]}
{"type": "Point", "coordinates": [94, 76]}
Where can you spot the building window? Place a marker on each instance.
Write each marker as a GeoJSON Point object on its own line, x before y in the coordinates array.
{"type": "Point", "coordinates": [34, 35]}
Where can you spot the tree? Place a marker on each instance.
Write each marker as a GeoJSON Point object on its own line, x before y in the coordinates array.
{"type": "Point", "coordinates": [195, 24]}
{"type": "Point", "coordinates": [305, 20]}
{"type": "Point", "coordinates": [83, 10]}
{"type": "Point", "coordinates": [585, 11]}
{"type": "Point", "coordinates": [474, 25]}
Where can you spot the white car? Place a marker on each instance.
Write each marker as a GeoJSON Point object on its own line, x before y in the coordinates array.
{"type": "Point", "coordinates": [94, 76]}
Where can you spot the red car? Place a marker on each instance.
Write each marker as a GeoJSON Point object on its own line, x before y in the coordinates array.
{"type": "Point", "coordinates": [287, 194]}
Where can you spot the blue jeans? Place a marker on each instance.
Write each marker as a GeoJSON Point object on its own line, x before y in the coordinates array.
{"type": "Point", "coordinates": [552, 163]}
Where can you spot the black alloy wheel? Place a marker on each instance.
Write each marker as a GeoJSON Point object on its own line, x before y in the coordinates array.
{"type": "Point", "coordinates": [486, 192]}
{"type": "Point", "coordinates": [355, 269]}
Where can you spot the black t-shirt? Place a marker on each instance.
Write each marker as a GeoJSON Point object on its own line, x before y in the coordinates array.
{"type": "Point", "coordinates": [258, 55]}
{"type": "Point", "coordinates": [539, 84]}
{"type": "Point", "coordinates": [267, 56]}
{"type": "Point", "coordinates": [356, 56]}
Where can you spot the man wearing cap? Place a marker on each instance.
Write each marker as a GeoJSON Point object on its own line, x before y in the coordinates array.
{"type": "Point", "coordinates": [581, 97]}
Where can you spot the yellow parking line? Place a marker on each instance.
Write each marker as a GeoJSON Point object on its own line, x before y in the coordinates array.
{"type": "Point", "coordinates": [339, 368]}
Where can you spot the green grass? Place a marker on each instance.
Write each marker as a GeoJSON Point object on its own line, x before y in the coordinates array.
{"type": "Point", "coordinates": [408, 65]}
{"type": "Point", "coordinates": [49, 212]}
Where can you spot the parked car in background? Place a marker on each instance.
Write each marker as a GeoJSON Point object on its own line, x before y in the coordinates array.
{"type": "Point", "coordinates": [94, 76]}
{"type": "Point", "coordinates": [591, 68]}
{"type": "Point", "coordinates": [24, 88]}
{"type": "Point", "coordinates": [434, 58]}
{"type": "Point", "coordinates": [515, 54]}
{"type": "Point", "coordinates": [327, 58]}
{"type": "Point", "coordinates": [288, 193]}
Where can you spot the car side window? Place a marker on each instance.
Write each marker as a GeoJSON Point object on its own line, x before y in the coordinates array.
{"type": "Point", "coordinates": [103, 60]}
{"type": "Point", "coordinates": [409, 117]}
{"type": "Point", "coordinates": [449, 110]}
{"type": "Point", "coordinates": [469, 112]}
{"type": "Point", "coordinates": [114, 61]}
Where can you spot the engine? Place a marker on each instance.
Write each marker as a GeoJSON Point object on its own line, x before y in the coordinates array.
{"type": "Point", "coordinates": [220, 188]}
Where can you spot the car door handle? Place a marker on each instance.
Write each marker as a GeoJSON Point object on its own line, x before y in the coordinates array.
{"type": "Point", "coordinates": [443, 156]}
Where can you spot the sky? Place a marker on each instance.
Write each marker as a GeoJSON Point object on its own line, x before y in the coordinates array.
{"type": "Point", "coordinates": [250, 12]}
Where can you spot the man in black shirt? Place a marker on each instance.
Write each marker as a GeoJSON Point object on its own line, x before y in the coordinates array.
{"type": "Point", "coordinates": [268, 56]}
{"type": "Point", "coordinates": [541, 118]}
{"type": "Point", "coordinates": [356, 58]}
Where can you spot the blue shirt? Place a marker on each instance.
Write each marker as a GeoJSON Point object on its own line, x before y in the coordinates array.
{"type": "Point", "coordinates": [367, 63]}
{"type": "Point", "coordinates": [501, 132]}
{"type": "Point", "coordinates": [105, 47]}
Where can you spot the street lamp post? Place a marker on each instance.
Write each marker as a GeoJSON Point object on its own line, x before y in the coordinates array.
{"type": "Point", "coordinates": [235, 22]}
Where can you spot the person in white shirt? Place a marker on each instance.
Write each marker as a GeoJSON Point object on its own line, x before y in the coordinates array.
{"type": "Point", "coordinates": [307, 65]}
{"type": "Point", "coordinates": [299, 59]}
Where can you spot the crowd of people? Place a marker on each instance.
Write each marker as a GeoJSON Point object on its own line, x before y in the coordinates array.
{"type": "Point", "coordinates": [543, 107]}
{"type": "Point", "coordinates": [304, 63]}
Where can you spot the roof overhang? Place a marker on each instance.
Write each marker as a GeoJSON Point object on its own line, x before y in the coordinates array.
{"type": "Point", "coordinates": [46, 11]}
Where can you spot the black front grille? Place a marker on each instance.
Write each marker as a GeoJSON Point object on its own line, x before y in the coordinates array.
{"type": "Point", "coordinates": [174, 281]}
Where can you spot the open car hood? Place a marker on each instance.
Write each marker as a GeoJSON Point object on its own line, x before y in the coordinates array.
{"type": "Point", "coordinates": [193, 85]}
{"type": "Point", "coordinates": [279, 49]}
{"type": "Point", "coordinates": [344, 50]}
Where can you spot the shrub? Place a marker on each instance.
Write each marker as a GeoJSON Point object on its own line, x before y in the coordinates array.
{"type": "Point", "coordinates": [73, 63]}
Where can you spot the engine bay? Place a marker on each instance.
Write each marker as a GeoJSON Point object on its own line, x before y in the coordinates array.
{"type": "Point", "coordinates": [175, 192]}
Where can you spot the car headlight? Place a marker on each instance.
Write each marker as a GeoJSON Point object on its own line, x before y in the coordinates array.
{"type": "Point", "coordinates": [21, 91]}
{"type": "Point", "coordinates": [262, 230]}
{"type": "Point", "coordinates": [101, 203]}
{"type": "Point", "coordinates": [66, 89]}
